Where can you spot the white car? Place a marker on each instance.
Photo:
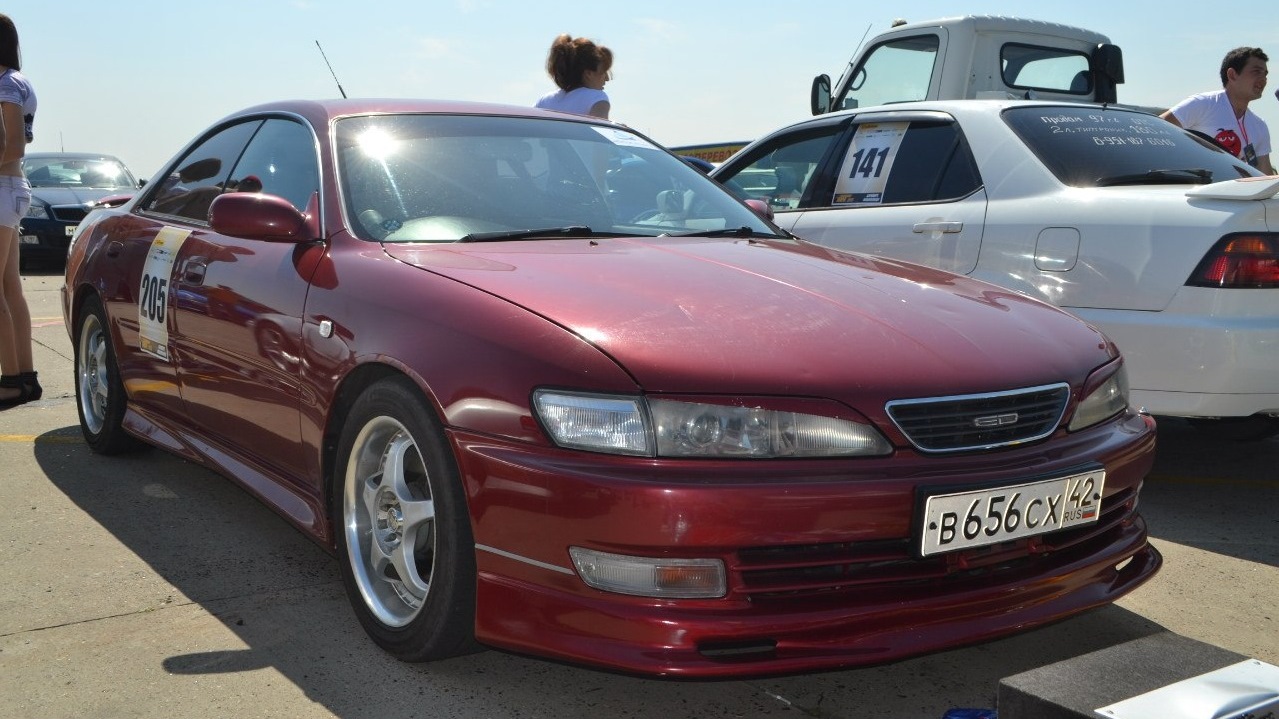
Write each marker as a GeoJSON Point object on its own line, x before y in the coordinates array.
{"type": "Point", "coordinates": [1152, 234]}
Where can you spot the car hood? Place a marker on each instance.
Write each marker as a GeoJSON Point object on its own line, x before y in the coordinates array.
{"type": "Point", "coordinates": [74, 195]}
{"type": "Point", "coordinates": [751, 317]}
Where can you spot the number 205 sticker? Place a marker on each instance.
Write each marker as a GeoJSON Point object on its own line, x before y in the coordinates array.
{"type": "Point", "coordinates": [153, 294]}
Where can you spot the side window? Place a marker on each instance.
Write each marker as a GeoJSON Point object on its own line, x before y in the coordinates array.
{"type": "Point", "coordinates": [1033, 67]}
{"type": "Point", "coordinates": [280, 160]}
{"type": "Point", "coordinates": [200, 175]}
{"type": "Point", "coordinates": [781, 171]}
{"type": "Point", "coordinates": [901, 162]}
{"type": "Point", "coordinates": [897, 71]}
{"type": "Point", "coordinates": [933, 164]}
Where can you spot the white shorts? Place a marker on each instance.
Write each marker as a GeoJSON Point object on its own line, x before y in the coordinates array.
{"type": "Point", "coordinates": [15, 200]}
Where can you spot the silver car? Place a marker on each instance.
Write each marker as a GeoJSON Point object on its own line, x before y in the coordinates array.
{"type": "Point", "coordinates": [1149, 232]}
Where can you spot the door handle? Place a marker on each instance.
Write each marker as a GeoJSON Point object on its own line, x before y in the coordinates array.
{"type": "Point", "coordinates": [194, 269]}
{"type": "Point", "coordinates": [949, 227]}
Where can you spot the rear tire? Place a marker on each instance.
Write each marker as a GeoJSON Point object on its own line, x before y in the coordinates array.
{"type": "Point", "coordinates": [99, 392]}
{"type": "Point", "coordinates": [403, 531]}
{"type": "Point", "coordinates": [1238, 429]}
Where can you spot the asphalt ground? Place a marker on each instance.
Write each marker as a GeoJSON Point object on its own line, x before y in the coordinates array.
{"type": "Point", "coordinates": [146, 586]}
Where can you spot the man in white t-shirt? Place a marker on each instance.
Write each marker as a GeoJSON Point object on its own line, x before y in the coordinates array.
{"type": "Point", "coordinates": [1224, 115]}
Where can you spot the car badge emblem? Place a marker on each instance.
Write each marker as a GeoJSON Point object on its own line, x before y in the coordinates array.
{"type": "Point", "coordinates": [995, 420]}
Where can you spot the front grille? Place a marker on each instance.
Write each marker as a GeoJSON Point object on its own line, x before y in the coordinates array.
{"type": "Point", "coordinates": [980, 421]}
{"type": "Point", "coordinates": [69, 213]}
{"type": "Point", "coordinates": [789, 572]}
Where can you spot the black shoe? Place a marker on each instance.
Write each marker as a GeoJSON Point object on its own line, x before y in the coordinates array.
{"type": "Point", "coordinates": [31, 386]}
{"type": "Point", "coordinates": [13, 381]}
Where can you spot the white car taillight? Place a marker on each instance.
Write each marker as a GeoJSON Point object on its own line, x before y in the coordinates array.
{"type": "Point", "coordinates": [1240, 261]}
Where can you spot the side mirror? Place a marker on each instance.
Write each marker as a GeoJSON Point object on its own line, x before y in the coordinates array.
{"type": "Point", "coordinates": [1108, 71]}
{"type": "Point", "coordinates": [819, 97]}
{"type": "Point", "coordinates": [761, 208]}
{"type": "Point", "coordinates": [257, 216]}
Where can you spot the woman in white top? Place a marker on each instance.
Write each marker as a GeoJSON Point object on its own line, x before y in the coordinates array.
{"type": "Point", "coordinates": [18, 381]}
{"type": "Point", "coordinates": [580, 68]}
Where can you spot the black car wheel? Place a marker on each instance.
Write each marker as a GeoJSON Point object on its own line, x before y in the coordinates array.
{"type": "Point", "coordinates": [403, 533]}
{"type": "Point", "coordinates": [100, 397]}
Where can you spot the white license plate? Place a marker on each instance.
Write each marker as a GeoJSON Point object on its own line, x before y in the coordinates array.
{"type": "Point", "coordinates": [70, 230]}
{"type": "Point", "coordinates": [974, 519]}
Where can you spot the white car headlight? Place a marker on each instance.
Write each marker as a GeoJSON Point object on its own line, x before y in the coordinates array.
{"type": "Point", "coordinates": [668, 428]}
{"type": "Point", "coordinates": [38, 211]}
{"type": "Point", "coordinates": [1108, 399]}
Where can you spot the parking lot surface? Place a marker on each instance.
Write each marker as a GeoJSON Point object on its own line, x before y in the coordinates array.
{"type": "Point", "coordinates": [145, 586]}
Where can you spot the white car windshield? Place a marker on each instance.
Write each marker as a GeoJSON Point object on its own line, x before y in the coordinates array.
{"type": "Point", "coordinates": [447, 178]}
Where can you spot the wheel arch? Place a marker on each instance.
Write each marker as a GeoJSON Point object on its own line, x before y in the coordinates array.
{"type": "Point", "coordinates": [359, 379]}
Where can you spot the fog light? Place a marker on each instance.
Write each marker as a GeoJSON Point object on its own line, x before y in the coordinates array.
{"type": "Point", "coordinates": [650, 576]}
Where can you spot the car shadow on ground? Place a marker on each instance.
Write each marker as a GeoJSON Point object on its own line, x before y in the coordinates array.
{"type": "Point", "coordinates": [280, 594]}
{"type": "Point", "coordinates": [1198, 481]}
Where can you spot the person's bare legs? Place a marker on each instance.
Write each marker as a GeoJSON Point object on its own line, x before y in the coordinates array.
{"type": "Point", "coordinates": [15, 317]}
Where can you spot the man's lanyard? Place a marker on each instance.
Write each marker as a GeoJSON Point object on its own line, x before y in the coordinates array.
{"type": "Point", "coordinates": [1249, 153]}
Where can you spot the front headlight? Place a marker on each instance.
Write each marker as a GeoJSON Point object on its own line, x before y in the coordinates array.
{"type": "Point", "coordinates": [669, 428]}
{"type": "Point", "coordinates": [1106, 398]}
{"type": "Point", "coordinates": [38, 211]}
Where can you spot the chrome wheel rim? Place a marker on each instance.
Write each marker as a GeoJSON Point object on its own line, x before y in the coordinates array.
{"type": "Point", "coordinates": [389, 521]}
{"type": "Point", "coordinates": [91, 374]}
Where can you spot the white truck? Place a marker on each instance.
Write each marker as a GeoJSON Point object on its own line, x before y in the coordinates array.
{"type": "Point", "coordinates": [975, 56]}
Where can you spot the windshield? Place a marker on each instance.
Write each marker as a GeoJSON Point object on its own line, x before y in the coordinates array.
{"type": "Point", "coordinates": [1090, 146]}
{"type": "Point", "coordinates": [444, 178]}
{"type": "Point", "coordinates": [96, 173]}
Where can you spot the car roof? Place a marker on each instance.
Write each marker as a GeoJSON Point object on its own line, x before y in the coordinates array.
{"type": "Point", "coordinates": [998, 23]}
{"type": "Point", "coordinates": [69, 156]}
{"type": "Point", "coordinates": [318, 110]}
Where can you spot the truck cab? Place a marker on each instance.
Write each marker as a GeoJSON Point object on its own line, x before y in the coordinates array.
{"type": "Point", "coordinates": [975, 56]}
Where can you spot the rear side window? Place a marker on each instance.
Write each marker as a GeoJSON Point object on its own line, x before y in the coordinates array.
{"type": "Point", "coordinates": [201, 174]}
{"type": "Point", "coordinates": [1090, 146]}
{"type": "Point", "coordinates": [1034, 67]}
{"type": "Point", "coordinates": [905, 162]}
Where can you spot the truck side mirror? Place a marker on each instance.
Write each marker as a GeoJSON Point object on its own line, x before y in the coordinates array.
{"type": "Point", "coordinates": [819, 99]}
{"type": "Point", "coordinates": [1108, 71]}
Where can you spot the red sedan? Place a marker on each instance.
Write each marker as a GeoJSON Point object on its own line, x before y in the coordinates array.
{"type": "Point", "coordinates": [540, 385]}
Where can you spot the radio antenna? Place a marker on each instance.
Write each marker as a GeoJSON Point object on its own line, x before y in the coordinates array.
{"type": "Point", "coordinates": [334, 74]}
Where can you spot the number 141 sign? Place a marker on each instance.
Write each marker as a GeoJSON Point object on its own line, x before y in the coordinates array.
{"type": "Point", "coordinates": [868, 163]}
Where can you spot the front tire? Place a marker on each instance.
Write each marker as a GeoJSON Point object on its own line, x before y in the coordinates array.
{"type": "Point", "coordinates": [99, 392]}
{"type": "Point", "coordinates": [403, 532]}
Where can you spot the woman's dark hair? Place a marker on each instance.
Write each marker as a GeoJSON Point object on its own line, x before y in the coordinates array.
{"type": "Point", "coordinates": [570, 57]}
{"type": "Point", "coordinates": [10, 54]}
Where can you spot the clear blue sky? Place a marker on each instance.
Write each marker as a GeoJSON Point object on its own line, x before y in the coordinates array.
{"type": "Point", "coordinates": [139, 78]}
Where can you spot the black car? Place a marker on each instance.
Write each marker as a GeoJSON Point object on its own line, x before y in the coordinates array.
{"type": "Point", "coordinates": [64, 187]}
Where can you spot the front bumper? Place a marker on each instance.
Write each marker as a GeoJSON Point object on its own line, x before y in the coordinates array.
{"type": "Point", "coordinates": [819, 555]}
{"type": "Point", "coordinates": [45, 240]}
